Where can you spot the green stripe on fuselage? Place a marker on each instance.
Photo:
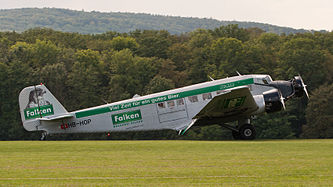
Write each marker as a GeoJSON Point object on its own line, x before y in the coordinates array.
{"type": "Point", "coordinates": [92, 112]}
{"type": "Point", "coordinates": [163, 98]}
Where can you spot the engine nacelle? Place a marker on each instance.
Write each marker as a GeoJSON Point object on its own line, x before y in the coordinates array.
{"type": "Point", "coordinates": [260, 101]}
{"type": "Point", "coordinates": [273, 101]}
{"type": "Point", "coordinates": [269, 102]}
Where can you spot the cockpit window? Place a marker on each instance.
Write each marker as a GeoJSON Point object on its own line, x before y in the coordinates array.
{"type": "Point", "coordinates": [268, 79]}
{"type": "Point", "coordinates": [265, 81]}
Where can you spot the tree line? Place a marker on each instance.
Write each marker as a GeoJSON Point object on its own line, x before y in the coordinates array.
{"type": "Point", "coordinates": [84, 70]}
{"type": "Point", "coordinates": [98, 22]}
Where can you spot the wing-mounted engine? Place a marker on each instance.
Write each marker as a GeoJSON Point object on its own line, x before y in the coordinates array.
{"type": "Point", "coordinates": [271, 101]}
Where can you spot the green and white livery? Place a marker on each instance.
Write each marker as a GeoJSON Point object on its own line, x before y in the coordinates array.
{"type": "Point", "coordinates": [221, 101]}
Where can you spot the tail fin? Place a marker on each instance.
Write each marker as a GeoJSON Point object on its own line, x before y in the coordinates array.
{"type": "Point", "coordinates": [38, 103]}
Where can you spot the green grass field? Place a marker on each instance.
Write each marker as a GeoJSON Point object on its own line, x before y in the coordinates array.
{"type": "Point", "coordinates": [167, 163]}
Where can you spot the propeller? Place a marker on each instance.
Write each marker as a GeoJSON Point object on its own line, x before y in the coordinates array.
{"type": "Point", "coordinates": [282, 100]}
{"type": "Point", "coordinates": [304, 86]}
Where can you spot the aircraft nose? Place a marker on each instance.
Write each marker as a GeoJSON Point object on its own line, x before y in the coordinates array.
{"type": "Point", "coordinates": [300, 87]}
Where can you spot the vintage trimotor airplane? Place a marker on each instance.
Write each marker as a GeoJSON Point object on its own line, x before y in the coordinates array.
{"type": "Point", "coordinates": [221, 101]}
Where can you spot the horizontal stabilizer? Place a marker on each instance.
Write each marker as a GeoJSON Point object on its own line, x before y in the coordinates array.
{"type": "Point", "coordinates": [56, 117]}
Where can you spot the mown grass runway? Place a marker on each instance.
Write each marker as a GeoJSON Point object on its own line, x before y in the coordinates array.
{"type": "Point", "coordinates": [168, 163]}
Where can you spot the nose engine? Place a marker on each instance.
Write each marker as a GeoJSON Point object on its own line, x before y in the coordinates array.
{"type": "Point", "coordinates": [273, 100]}
{"type": "Point", "coordinates": [292, 88]}
{"type": "Point", "coordinates": [299, 86]}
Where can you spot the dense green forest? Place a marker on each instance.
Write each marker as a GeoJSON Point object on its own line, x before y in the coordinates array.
{"type": "Point", "coordinates": [82, 70]}
{"type": "Point", "coordinates": [96, 22]}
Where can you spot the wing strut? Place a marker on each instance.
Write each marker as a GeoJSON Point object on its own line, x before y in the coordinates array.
{"type": "Point", "coordinates": [182, 132]}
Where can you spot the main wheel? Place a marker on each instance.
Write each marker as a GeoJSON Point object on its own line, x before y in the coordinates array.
{"type": "Point", "coordinates": [247, 132]}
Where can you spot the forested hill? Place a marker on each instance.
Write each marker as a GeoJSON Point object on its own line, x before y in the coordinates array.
{"type": "Point", "coordinates": [96, 22]}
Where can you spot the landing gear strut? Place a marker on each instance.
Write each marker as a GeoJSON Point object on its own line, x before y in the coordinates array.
{"type": "Point", "coordinates": [44, 135]}
{"type": "Point", "coordinates": [243, 131]}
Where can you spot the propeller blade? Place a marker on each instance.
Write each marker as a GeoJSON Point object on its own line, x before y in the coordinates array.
{"type": "Point", "coordinates": [282, 101]}
{"type": "Point", "coordinates": [306, 92]}
{"type": "Point", "coordinates": [304, 87]}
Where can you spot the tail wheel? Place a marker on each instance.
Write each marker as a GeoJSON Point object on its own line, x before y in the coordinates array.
{"type": "Point", "coordinates": [247, 132]}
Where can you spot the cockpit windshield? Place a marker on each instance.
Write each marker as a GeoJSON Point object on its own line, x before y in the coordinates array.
{"type": "Point", "coordinates": [264, 79]}
{"type": "Point", "coordinates": [267, 79]}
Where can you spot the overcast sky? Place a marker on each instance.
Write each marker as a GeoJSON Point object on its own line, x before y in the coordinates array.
{"type": "Point", "coordinates": [307, 14]}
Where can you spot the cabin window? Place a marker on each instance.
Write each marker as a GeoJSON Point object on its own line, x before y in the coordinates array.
{"type": "Point", "coordinates": [206, 96]}
{"type": "Point", "coordinates": [161, 105]}
{"type": "Point", "coordinates": [193, 99]}
{"type": "Point", "coordinates": [171, 104]}
{"type": "Point", "coordinates": [180, 102]}
{"type": "Point", "coordinates": [219, 92]}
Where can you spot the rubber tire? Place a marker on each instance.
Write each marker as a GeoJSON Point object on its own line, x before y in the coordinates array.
{"type": "Point", "coordinates": [236, 135]}
{"type": "Point", "coordinates": [247, 132]}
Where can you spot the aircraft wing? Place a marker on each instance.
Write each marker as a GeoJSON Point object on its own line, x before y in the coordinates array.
{"type": "Point", "coordinates": [229, 104]}
{"type": "Point", "coordinates": [233, 102]}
